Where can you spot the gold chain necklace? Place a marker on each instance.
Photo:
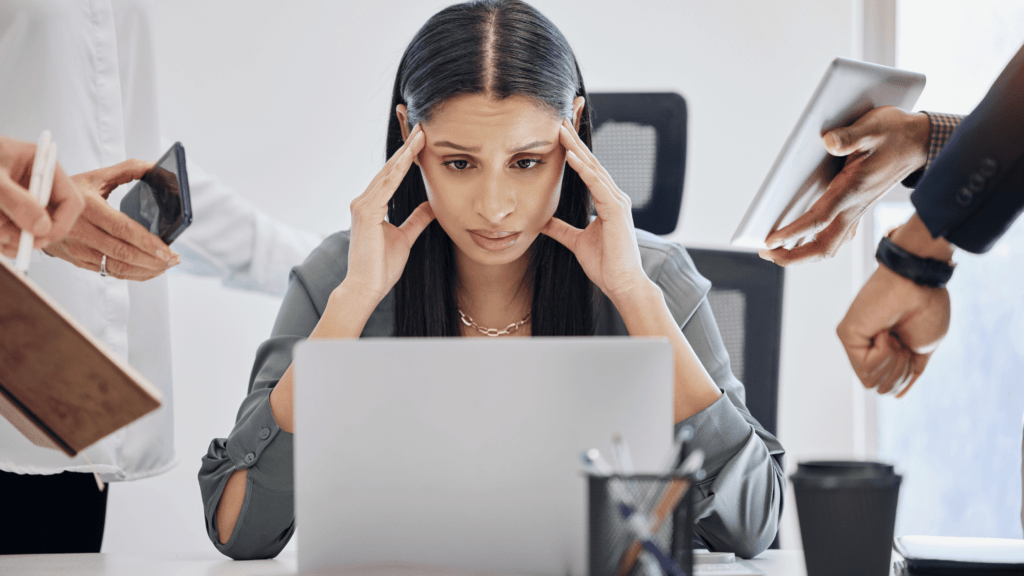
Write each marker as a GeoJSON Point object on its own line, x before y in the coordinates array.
{"type": "Point", "coordinates": [493, 332]}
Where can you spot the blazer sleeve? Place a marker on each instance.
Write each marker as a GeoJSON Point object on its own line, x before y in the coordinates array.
{"type": "Point", "coordinates": [256, 443]}
{"type": "Point", "coordinates": [738, 505]}
{"type": "Point", "coordinates": [975, 189]}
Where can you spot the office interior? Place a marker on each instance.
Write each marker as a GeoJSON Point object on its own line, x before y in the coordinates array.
{"type": "Point", "coordinates": [288, 104]}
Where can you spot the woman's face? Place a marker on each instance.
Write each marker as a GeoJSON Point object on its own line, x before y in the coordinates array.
{"type": "Point", "coordinates": [493, 173]}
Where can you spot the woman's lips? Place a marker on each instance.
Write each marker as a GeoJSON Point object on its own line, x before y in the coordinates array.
{"type": "Point", "coordinates": [494, 241]}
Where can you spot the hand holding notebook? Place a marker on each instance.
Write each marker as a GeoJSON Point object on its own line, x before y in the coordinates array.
{"type": "Point", "coordinates": [59, 386]}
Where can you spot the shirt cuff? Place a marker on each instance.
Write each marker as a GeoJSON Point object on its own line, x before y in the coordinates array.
{"type": "Point", "coordinates": [254, 431]}
{"type": "Point", "coordinates": [720, 431]}
{"type": "Point", "coordinates": [943, 126]}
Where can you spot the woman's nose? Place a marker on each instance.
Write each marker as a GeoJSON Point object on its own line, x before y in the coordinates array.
{"type": "Point", "coordinates": [495, 201]}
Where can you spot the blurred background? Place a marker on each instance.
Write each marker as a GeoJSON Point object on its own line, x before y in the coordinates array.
{"type": "Point", "coordinates": [288, 104]}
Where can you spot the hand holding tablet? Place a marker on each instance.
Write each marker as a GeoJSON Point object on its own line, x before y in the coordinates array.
{"type": "Point", "coordinates": [805, 172]}
{"type": "Point", "coordinates": [881, 149]}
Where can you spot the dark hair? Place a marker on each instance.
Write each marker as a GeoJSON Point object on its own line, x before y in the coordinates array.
{"type": "Point", "coordinates": [501, 48]}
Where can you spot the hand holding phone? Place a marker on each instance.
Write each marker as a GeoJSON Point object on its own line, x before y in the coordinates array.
{"type": "Point", "coordinates": [161, 201]}
{"type": "Point", "coordinates": [132, 252]}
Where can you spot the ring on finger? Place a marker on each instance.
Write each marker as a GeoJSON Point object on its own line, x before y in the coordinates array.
{"type": "Point", "coordinates": [103, 266]}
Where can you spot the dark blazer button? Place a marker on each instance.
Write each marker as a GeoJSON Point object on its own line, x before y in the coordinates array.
{"type": "Point", "coordinates": [964, 196]}
{"type": "Point", "coordinates": [976, 182]}
{"type": "Point", "coordinates": [988, 167]}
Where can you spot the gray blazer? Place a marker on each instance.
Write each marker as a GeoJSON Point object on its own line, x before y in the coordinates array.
{"type": "Point", "coordinates": [737, 506]}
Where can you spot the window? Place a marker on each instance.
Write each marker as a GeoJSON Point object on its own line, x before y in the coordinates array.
{"type": "Point", "coordinates": [957, 435]}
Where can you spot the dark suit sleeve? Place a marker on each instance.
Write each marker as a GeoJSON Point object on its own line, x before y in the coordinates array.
{"type": "Point", "coordinates": [974, 190]}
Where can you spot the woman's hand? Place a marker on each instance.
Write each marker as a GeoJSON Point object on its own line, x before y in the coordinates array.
{"type": "Point", "coordinates": [20, 211]}
{"type": "Point", "coordinates": [133, 253]}
{"type": "Point", "coordinates": [377, 253]}
{"type": "Point", "coordinates": [378, 250]}
{"type": "Point", "coordinates": [606, 248]}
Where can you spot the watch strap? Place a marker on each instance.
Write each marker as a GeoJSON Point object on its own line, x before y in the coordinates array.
{"type": "Point", "coordinates": [922, 271]}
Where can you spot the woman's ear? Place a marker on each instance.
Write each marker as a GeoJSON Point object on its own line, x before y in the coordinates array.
{"type": "Point", "coordinates": [577, 112]}
{"type": "Point", "coordinates": [403, 122]}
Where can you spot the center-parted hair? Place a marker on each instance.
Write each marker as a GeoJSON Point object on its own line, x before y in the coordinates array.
{"type": "Point", "coordinates": [499, 48]}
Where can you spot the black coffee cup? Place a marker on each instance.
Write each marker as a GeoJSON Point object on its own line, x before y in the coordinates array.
{"type": "Point", "coordinates": [847, 514]}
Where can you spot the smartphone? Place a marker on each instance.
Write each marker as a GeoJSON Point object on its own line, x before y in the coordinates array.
{"type": "Point", "coordinates": [160, 201]}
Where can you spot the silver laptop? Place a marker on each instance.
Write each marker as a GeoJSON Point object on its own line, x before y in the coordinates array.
{"type": "Point", "coordinates": [804, 168]}
{"type": "Point", "coordinates": [464, 453]}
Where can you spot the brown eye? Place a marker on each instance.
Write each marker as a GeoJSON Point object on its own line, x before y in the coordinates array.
{"type": "Point", "coordinates": [527, 163]}
{"type": "Point", "coordinates": [457, 164]}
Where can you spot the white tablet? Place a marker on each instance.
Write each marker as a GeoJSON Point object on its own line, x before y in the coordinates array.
{"type": "Point", "coordinates": [804, 169]}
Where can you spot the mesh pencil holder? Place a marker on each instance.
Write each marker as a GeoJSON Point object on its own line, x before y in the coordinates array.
{"type": "Point", "coordinates": [613, 547]}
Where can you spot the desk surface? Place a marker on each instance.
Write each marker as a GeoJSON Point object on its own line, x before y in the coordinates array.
{"type": "Point", "coordinates": [772, 562]}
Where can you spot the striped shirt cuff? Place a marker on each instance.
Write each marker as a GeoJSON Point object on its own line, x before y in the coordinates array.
{"type": "Point", "coordinates": [943, 126]}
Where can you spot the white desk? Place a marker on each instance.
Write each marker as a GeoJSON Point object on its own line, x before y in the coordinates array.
{"type": "Point", "coordinates": [772, 562]}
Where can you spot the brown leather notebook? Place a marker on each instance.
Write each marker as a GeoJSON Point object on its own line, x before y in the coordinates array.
{"type": "Point", "coordinates": [60, 386]}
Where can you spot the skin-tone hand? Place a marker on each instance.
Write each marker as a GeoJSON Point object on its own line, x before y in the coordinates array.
{"type": "Point", "coordinates": [882, 148]}
{"type": "Point", "coordinates": [606, 248]}
{"type": "Point", "coordinates": [608, 252]}
{"type": "Point", "coordinates": [378, 251]}
{"type": "Point", "coordinates": [19, 211]}
{"type": "Point", "coordinates": [133, 253]}
{"type": "Point", "coordinates": [894, 325]}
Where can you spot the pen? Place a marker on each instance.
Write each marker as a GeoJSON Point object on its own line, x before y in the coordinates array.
{"type": "Point", "coordinates": [663, 509]}
{"type": "Point", "coordinates": [621, 451]}
{"type": "Point", "coordinates": [596, 465]}
{"type": "Point", "coordinates": [636, 522]}
{"type": "Point", "coordinates": [40, 183]}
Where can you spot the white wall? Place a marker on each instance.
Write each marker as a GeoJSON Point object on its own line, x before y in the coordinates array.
{"type": "Point", "coordinates": [289, 104]}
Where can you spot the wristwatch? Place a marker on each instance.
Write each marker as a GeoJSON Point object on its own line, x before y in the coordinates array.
{"type": "Point", "coordinates": [922, 271]}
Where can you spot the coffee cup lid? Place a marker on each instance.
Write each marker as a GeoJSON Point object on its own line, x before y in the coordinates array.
{"type": "Point", "coordinates": [845, 473]}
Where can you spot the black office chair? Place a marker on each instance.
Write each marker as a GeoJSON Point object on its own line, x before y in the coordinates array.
{"type": "Point", "coordinates": [641, 140]}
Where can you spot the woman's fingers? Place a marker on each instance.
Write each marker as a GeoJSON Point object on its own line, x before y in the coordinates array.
{"type": "Point", "coordinates": [379, 193]}
{"type": "Point", "coordinates": [601, 185]}
{"type": "Point", "coordinates": [89, 258]}
{"type": "Point", "coordinates": [401, 166]}
{"type": "Point", "coordinates": [68, 203]}
{"type": "Point", "coordinates": [417, 222]}
{"type": "Point", "coordinates": [105, 180]}
{"type": "Point", "coordinates": [598, 189]}
{"type": "Point", "coordinates": [562, 232]}
{"type": "Point", "coordinates": [583, 151]}
{"type": "Point", "coordinates": [396, 157]}
{"type": "Point", "coordinates": [118, 236]}
{"type": "Point", "coordinates": [18, 204]}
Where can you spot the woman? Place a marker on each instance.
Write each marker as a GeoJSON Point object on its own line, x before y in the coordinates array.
{"type": "Point", "coordinates": [488, 108]}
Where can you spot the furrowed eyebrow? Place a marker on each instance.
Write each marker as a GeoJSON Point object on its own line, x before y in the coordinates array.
{"type": "Point", "coordinates": [447, 144]}
{"type": "Point", "coordinates": [454, 146]}
{"type": "Point", "coordinates": [530, 146]}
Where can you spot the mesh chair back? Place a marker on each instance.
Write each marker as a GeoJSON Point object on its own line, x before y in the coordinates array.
{"type": "Point", "coordinates": [641, 140]}
{"type": "Point", "coordinates": [746, 298]}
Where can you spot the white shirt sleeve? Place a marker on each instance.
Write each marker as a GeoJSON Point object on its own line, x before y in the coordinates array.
{"type": "Point", "coordinates": [233, 240]}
